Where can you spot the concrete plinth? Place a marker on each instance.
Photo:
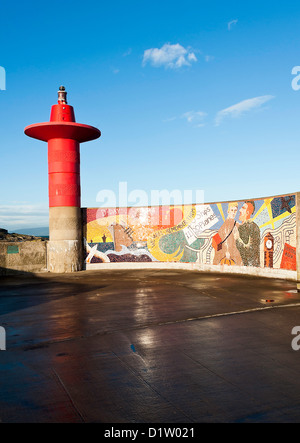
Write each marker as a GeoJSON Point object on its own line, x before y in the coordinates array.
{"type": "Point", "coordinates": [64, 253]}
{"type": "Point", "coordinates": [64, 256]}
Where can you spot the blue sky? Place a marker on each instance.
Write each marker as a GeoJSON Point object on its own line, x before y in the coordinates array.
{"type": "Point", "coordinates": [188, 95]}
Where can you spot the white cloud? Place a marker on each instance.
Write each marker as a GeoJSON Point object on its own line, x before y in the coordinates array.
{"type": "Point", "coordinates": [192, 57]}
{"type": "Point", "coordinates": [231, 23]}
{"type": "Point", "coordinates": [195, 118]}
{"type": "Point", "coordinates": [170, 56]}
{"type": "Point", "coordinates": [242, 107]}
{"type": "Point", "coordinates": [23, 216]}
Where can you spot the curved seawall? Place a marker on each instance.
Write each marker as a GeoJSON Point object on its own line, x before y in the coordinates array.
{"type": "Point", "coordinates": [252, 236]}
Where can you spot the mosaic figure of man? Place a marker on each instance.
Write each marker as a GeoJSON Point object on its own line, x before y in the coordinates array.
{"type": "Point", "coordinates": [247, 236]}
{"type": "Point", "coordinates": [229, 249]}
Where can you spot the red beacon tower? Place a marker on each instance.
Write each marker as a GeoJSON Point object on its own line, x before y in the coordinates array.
{"type": "Point", "coordinates": [64, 136]}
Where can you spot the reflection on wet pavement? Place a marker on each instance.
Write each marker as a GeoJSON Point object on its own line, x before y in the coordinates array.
{"type": "Point", "coordinates": [148, 346]}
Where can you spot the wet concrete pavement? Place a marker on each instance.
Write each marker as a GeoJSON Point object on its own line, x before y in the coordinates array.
{"type": "Point", "coordinates": [148, 346]}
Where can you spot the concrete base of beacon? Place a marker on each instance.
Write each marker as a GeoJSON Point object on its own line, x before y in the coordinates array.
{"type": "Point", "coordinates": [64, 256]}
{"type": "Point", "coordinates": [64, 249]}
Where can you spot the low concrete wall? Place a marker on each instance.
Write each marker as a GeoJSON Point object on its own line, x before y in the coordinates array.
{"type": "Point", "coordinates": [23, 257]}
{"type": "Point", "coordinates": [282, 274]}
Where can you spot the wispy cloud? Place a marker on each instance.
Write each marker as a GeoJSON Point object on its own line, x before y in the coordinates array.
{"type": "Point", "coordinates": [242, 107]}
{"type": "Point", "coordinates": [198, 119]}
{"type": "Point", "coordinates": [23, 216]}
{"type": "Point", "coordinates": [169, 56]}
{"type": "Point", "coordinates": [128, 52]}
{"type": "Point", "coordinates": [231, 24]}
{"type": "Point", "coordinates": [169, 119]}
{"type": "Point", "coordinates": [195, 118]}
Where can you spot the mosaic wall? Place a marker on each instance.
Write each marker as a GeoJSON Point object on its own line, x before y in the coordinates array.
{"type": "Point", "coordinates": [259, 233]}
